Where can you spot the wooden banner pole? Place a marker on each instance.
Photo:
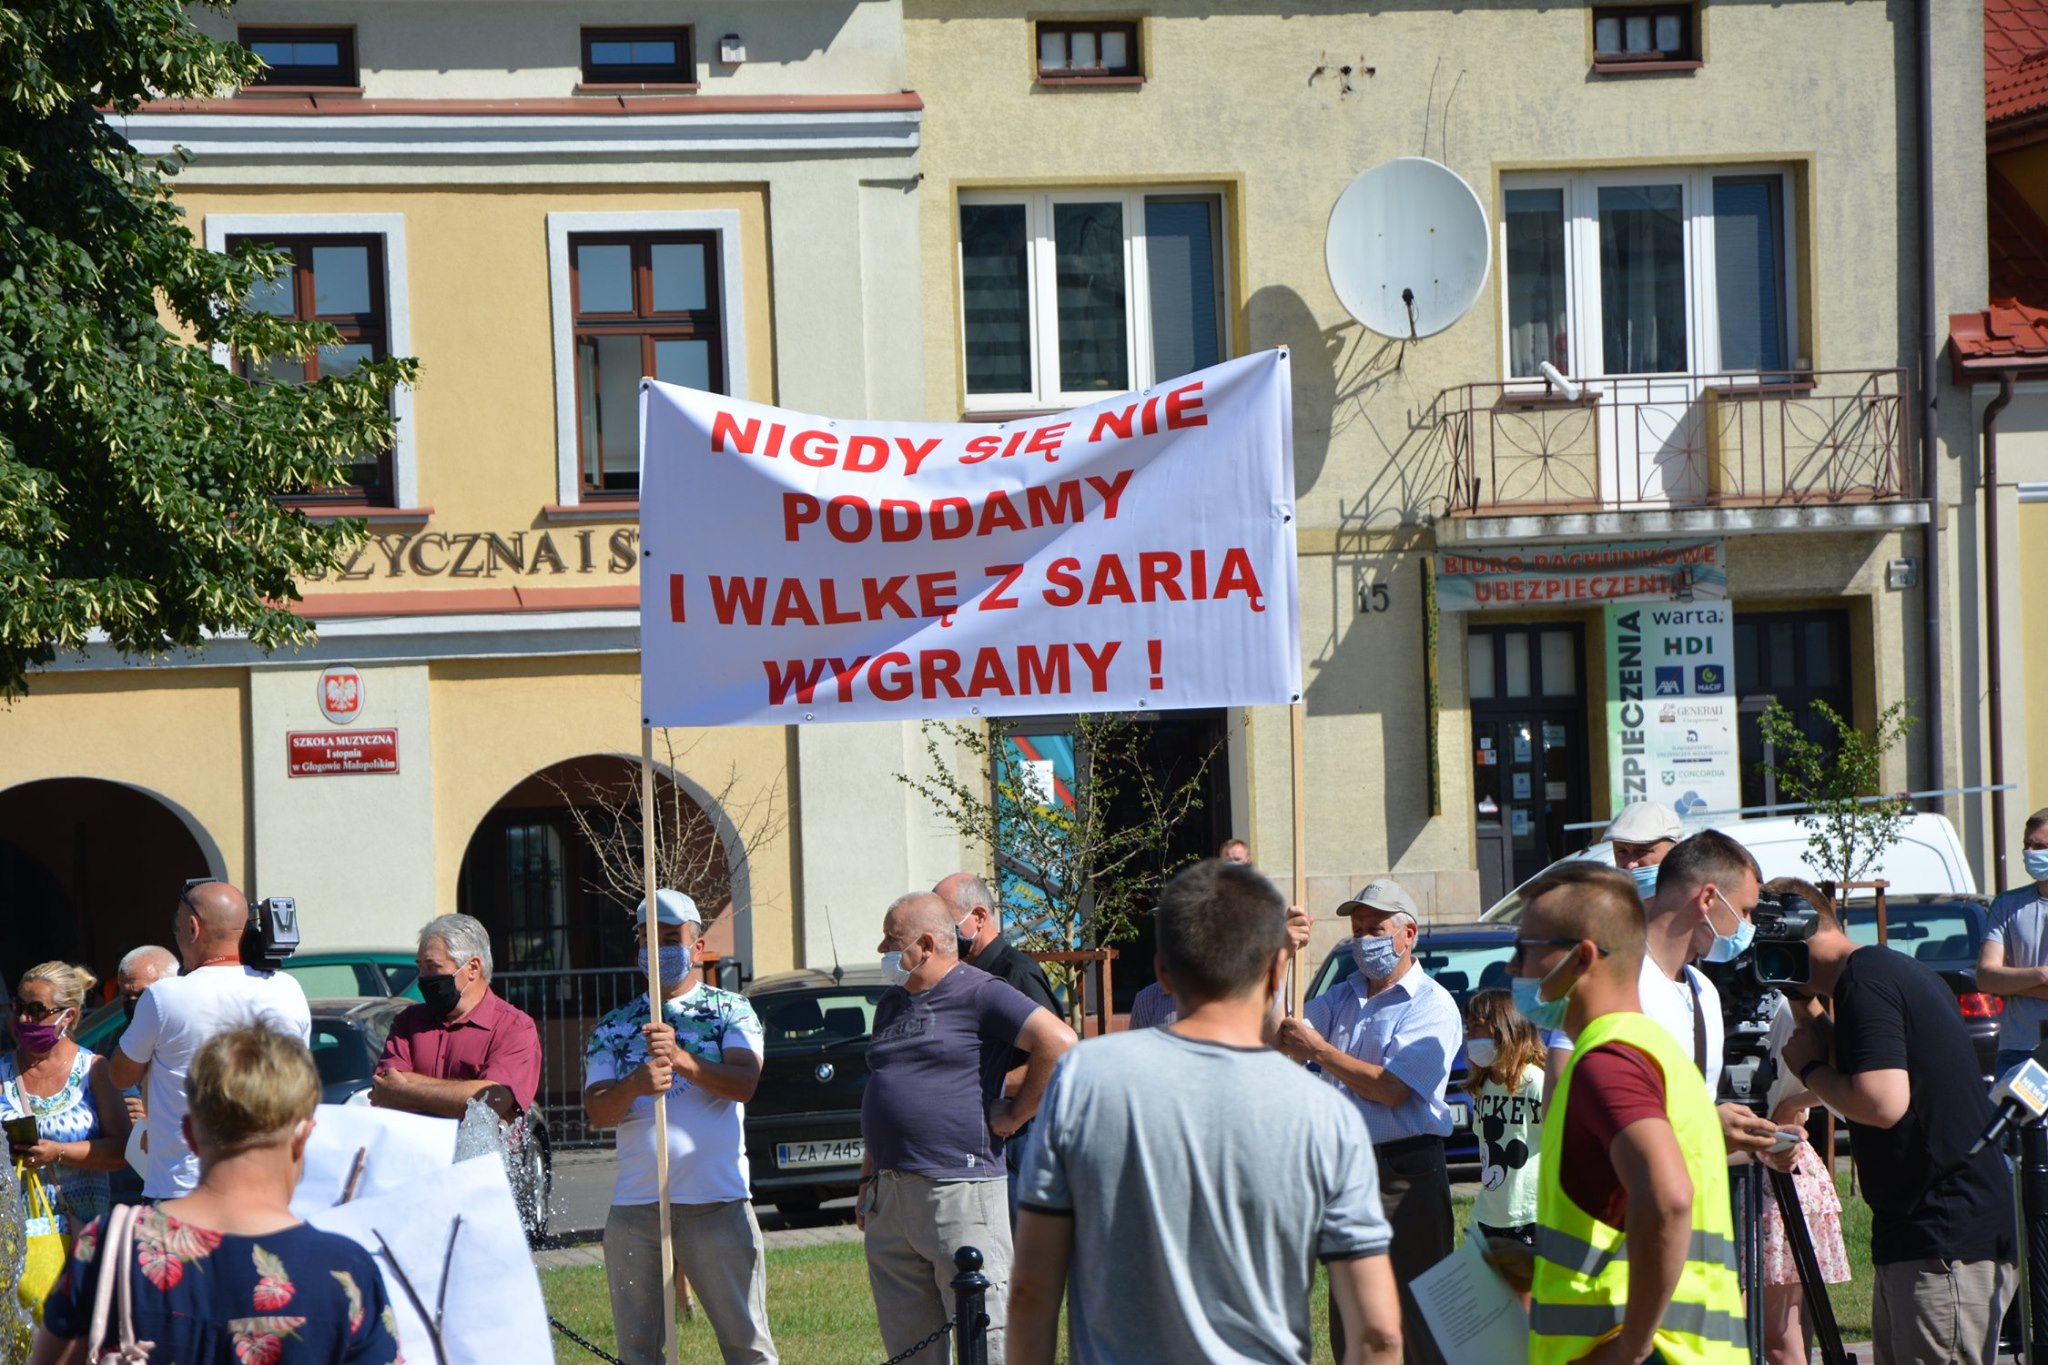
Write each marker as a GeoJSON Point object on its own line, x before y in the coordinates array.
{"type": "Point", "coordinates": [668, 1250]}
{"type": "Point", "coordinates": [1297, 973]}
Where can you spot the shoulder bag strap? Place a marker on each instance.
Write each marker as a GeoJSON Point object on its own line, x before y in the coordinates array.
{"type": "Point", "coordinates": [1699, 1022]}
{"type": "Point", "coordinates": [113, 1252]}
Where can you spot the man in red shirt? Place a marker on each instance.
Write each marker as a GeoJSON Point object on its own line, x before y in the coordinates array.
{"type": "Point", "coordinates": [465, 1042]}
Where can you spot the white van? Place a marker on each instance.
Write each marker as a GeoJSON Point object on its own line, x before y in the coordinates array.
{"type": "Point", "coordinates": [1927, 859]}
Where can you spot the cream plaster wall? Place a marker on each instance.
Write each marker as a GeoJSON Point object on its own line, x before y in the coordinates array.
{"type": "Point", "coordinates": [522, 49]}
{"type": "Point", "coordinates": [177, 734]}
{"type": "Point", "coordinates": [355, 849]}
{"type": "Point", "coordinates": [2031, 648]}
{"type": "Point", "coordinates": [1233, 98]}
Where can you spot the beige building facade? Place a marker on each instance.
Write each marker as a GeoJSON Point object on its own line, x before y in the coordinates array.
{"type": "Point", "coordinates": [1712, 232]}
{"type": "Point", "coordinates": [952, 211]}
{"type": "Point", "coordinates": [542, 204]}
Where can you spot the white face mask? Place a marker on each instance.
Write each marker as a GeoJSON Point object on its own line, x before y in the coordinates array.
{"type": "Point", "coordinates": [1480, 1052]}
{"type": "Point", "coordinates": [893, 968]}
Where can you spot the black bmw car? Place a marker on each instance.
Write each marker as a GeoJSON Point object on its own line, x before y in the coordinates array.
{"type": "Point", "coordinates": [803, 1124]}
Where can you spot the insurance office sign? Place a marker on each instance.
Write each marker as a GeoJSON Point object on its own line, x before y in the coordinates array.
{"type": "Point", "coordinates": [1671, 706]}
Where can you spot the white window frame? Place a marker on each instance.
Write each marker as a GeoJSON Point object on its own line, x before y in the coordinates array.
{"type": "Point", "coordinates": [1044, 302]}
{"type": "Point", "coordinates": [732, 317]}
{"type": "Point", "coordinates": [1581, 190]}
{"type": "Point", "coordinates": [220, 227]}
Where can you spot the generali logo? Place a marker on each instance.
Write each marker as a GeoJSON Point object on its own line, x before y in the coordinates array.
{"type": "Point", "coordinates": [341, 694]}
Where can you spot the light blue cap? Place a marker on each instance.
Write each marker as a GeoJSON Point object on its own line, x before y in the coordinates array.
{"type": "Point", "coordinates": [670, 907]}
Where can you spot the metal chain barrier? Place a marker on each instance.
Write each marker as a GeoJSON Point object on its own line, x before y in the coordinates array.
{"type": "Point", "coordinates": [583, 1341]}
{"type": "Point", "coordinates": [905, 1355]}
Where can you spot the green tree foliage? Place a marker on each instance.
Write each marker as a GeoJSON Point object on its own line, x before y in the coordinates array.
{"type": "Point", "coordinates": [140, 478]}
{"type": "Point", "coordinates": [1837, 780]}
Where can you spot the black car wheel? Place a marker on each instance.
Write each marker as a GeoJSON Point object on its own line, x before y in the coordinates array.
{"type": "Point", "coordinates": [537, 1162]}
{"type": "Point", "coordinates": [797, 1205]}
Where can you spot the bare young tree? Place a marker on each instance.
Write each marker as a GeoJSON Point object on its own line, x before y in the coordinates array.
{"type": "Point", "coordinates": [1078, 876]}
{"type": "Point", "coordinates": [689, 855]}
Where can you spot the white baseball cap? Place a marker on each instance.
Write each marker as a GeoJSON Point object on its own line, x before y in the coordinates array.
{"type": "Point", "coordinates": [1645, 822]}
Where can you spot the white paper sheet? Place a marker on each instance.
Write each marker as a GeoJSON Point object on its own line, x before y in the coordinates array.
{"type": "Point", "coordinates": [401, 1148]}
{"type": "Point", "coordinates": [493, 1313]}
{"type": "Point", "coordinates": [1476, 1318]}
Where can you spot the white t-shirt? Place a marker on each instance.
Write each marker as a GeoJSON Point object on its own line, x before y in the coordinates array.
{"type": "Point", "coordinates": [1670, 1003]}
{"type": "Point", "coordinates": [173, 1020]}
{"type": "Point", "coordinates": [707, 1148]}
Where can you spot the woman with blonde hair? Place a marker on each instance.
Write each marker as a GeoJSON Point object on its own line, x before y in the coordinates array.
{"type": "Point", "coordinates": [228, 1273]}
{"type": "Point", "coordinates": [81, 1124]}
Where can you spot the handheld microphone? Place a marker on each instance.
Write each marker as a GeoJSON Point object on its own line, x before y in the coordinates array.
{"type": "Point", "coordinates": [2021, 1096]}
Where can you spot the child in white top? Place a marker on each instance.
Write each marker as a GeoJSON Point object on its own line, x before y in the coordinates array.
{"type": "Point", "coordinates": [1504, 1075]}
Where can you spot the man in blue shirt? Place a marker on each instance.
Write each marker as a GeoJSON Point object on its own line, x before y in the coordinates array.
{"type": "Point", "coordinates": [2014, 959]}
{"type": "Point", "coordinates": [1387, 1036]}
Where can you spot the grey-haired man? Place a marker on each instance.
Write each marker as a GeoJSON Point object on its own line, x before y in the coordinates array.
{"type": "Point", "coordinates": [1388, 1035]}
{"type": "Point", "coordinates": [466, 1041]}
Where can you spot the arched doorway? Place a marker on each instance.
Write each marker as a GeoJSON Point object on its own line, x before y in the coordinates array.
{"type": "Point", "coordinates": [554, 872]}
{"type": "Point", "coordinates": [90, 869]}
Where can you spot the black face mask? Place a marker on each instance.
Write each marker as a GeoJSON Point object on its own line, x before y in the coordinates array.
{"type": "Point", "coordinates": [128, 1007]}
{"type": "Point", "coordinates": [441, 993]}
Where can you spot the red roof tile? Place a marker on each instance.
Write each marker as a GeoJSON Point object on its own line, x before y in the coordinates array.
{"type": "Point", "coordinates": [2015, 58]}
{"type": "Point", "coordinates": [2008, 333]}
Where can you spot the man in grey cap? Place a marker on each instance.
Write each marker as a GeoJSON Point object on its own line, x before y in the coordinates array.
{"type": "Point", "coordinates": [1642, 834]}
{"type": "Point", "coordinates": [702, 1061]}
{"type": "Point", "coordinates": [1387, 1035]}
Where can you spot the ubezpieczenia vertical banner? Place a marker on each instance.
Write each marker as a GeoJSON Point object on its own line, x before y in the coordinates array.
{"type": "Point", "coordinates": [1671, 731]}
{"type": "Point", "coordinates": [1135, 554]}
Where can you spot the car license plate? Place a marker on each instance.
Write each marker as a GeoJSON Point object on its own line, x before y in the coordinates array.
{"type": "Point", "coordinates": [1461, 1117]}
{"type": "Point", "coordinates": [845, 1152]}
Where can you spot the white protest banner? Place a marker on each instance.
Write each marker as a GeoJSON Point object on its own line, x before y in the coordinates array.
{"type": "Point", "coordinates": [1672, 732]}
{"type": "Point", "coordinates": [1138, 553]}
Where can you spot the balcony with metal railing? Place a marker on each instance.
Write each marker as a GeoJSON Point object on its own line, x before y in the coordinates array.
{"type": "Point", "coordinates": [1679, 454]}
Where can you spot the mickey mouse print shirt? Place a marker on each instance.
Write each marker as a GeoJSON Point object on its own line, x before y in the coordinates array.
{"type": "Point", "coordinates": [1508, 1123]}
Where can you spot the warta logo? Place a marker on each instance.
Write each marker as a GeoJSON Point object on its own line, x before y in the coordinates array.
{"type": "Point", "coordinates": [341, 695]}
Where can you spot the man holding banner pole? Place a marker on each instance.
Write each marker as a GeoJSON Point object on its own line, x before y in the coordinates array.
{"type": "Point", "coordinates": [677, 1090]}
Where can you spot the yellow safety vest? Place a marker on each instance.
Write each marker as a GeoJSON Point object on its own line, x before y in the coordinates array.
{"type": "Point", "coordinates": [1581, 1288]}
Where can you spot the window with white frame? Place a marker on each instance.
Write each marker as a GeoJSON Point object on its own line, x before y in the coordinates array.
{"type": "Point", "coordinates": [1070, 295]}
{"type": "Point", "coordinates": [1683, 271]}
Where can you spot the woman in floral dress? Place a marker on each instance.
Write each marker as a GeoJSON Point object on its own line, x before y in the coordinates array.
{"type": "Point", "coordinates": [227, 1273]}
{"type": "Point", "coordinates": [82, 1123]}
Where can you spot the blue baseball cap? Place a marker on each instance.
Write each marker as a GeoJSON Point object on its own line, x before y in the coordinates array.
{"type": "Point", "coordinates": [670, 907]}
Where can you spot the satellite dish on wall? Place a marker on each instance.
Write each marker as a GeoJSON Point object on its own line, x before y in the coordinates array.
{"type": "Point", "coordinates": [1407, 247]}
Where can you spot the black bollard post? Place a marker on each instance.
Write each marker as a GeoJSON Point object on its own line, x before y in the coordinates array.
{"type": "Point", "coordinates": [970, 1309]}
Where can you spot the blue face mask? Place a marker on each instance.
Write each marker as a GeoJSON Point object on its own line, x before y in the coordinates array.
{"type": "Point", "coordinates": [674, 961]}
{"type": "Point", "coordinates": [1528, 991]}
{"type": "Point", "coordinates": [1375, 956]}
{"type": "Point", "coordinates": [1646, 880]}
{"type": "Point", "coordinates": [1728, 947]}
{"type": "Point", "coordinates": [893, 968]}
{"type": "Point", "coordinates": [2036, 860]}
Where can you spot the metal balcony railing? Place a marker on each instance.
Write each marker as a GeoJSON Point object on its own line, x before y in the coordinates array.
{"type": "Point", "coordinates": [1655, 442]}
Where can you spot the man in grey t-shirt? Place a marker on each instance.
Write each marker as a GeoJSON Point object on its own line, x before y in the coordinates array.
{"type": "Point", "coordinates": [2014, 959]}
{"type": "Point", "coordinates": [1182, 1182]}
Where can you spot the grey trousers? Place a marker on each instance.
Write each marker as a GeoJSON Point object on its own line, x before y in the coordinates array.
{"type": "Point", "coordinates": [914, 1227]}
{"type": "Point", "coordinates": [1939, 1312]}
{"type": "Point", "coordinates": [718, 1250]}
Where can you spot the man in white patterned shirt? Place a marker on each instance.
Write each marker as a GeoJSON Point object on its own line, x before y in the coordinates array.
{"type": "Point", "coordinates": [703, 1061]}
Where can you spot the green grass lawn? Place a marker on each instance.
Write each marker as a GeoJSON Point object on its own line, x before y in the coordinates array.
{"type": "Point", "coordinates": [822, 1314]}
